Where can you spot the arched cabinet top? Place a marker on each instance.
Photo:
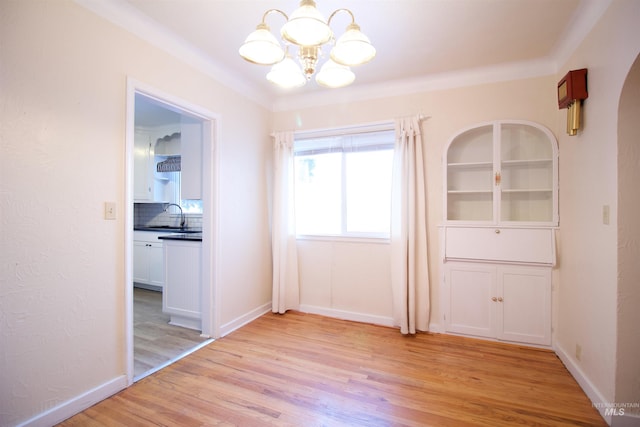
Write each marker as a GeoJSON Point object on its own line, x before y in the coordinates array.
{"type": "Point", "coordinates": [503, 172]}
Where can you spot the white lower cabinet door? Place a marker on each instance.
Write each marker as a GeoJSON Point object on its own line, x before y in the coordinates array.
{"type": "Point", "coordinates": [140, 262]}
{"type": "Point", "coordinates": [470, 288]}
{"type": "Point", "coordinates": [524, 311]}
{"type": "Point", "coordinates": [156, 264]}
{"type": "Point", "coordinates": [505, 302]}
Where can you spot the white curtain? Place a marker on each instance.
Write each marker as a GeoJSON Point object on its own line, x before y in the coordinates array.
{"type": "Point", "coordinates": [409, 266]}
{"type": "Point", "coordinates": [286, 288]}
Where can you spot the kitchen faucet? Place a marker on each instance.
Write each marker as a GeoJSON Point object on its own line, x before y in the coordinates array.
{"type": "Point", "coordinates": [182, 220]}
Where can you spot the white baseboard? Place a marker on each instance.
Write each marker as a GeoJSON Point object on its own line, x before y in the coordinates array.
{"type": "Point", "coordinates": [239, 322]}
{"type": "Point", "coordinates": [347, 315]}
{"type": "Point", "coordinates": [587, 386]}
{"type": "Point", "coordinates": [436, 328]}
{"type": "Point", "coordinates": [78, 404]}
{"type": "Point", "coordinates": [626, 420]}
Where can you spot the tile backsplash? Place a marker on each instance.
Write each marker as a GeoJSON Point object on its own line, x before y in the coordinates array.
{"type": "Point", "coordinates": [153, 214]}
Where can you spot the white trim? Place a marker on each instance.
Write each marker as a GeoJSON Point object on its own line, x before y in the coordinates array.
{"type": "Point", "coordinates": [379, 126]}
{"type": "Point", "coordinates": [348, 315]}
{"type": "Point", "coordinates": [77, 404]}
{"type": "Point", "coordinates": [210, 222]}
{"type": "Point", "coordinates": [436, 328]}
{"type": "Point", "coordinates": [588, 14]}
{"type": "Point", "coordinates": [626, 420]}
{"type": "Point", "coordinates": [126, 16]}
{"type": "Point", "coordinates": [345, 239]}
{"type": "Point", "coordinates": [587, 386]}
{"type": "Point", "coordinates": [120, 13]}
{"type": "Point", "coordinates": [239, 322]}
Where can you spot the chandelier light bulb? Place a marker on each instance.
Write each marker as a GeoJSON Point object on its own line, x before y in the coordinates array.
{"type": "Point", "coordinates": [307, 26]}
{"type": "Point", "coordinates": [261, 47]}
{"type": "Point", "coordinates": [353, 48]}
{"type": "Point", "coordinates": [286, 74]}
{"type": "Point", "coordinates": [334, 75]}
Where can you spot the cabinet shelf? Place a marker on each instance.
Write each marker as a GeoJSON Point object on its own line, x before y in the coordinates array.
{"type": "Point", "coordinates": [470, 165]}
{"type": "Point", "coordinates": [469, 191]}
{"type": "Point", "coordinates": [530, 162]}
{"type": "Point", "coordinates": [527, 190]}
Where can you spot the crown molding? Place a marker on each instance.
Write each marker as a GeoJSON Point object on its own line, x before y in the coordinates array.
{"type": "Point", "coordinates": [122, 14]}
{"type": "Point", "coordinates": [428, 83]}
{"type": "Point", "coordinates": [126, 16]}
{"type": "Point", "coordinates": [586, 17]}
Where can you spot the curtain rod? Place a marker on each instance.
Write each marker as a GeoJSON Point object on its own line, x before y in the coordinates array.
{"type": "Point", "coordinates": [375, 126]}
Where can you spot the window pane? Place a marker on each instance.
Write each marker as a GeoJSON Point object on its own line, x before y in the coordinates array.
{"type": "Point", "coordinates": [368, 187]}
{"type": "Point", "coordinates": [318, 193]}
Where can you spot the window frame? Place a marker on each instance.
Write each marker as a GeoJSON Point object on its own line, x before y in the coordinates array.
{"type": "Point", "coordinates": [345, 236]}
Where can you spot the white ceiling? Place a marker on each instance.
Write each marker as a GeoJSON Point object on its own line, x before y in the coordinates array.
{"type": "Point", "coordinates": [419, 43]}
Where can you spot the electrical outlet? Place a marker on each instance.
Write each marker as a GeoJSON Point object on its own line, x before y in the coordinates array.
{"type": "Point", "coordinates": [109, 210]}
{"type": "Point", "coordinates": [578, 352]}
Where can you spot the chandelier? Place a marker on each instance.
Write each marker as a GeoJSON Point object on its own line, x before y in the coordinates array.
{"type": "Point", "coordinates": [308, 31]}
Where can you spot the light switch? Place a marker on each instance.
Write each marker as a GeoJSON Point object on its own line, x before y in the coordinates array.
{"type": "Point", "coordinates": [109, 210]}
{"type": "Point", "coordinates": [605, 214]}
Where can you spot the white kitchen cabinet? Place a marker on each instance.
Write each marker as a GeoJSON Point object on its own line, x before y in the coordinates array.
{"type": "Point", "coordinates": [183, 277]}
{"type": "Point", "coordinates": [504, 302]}
{"type": "Point", "coordinates": [191, 175]}
{"type": "Point", "coordinates": [148, 260]}
{"type": "Point", "coordinates": [142, 163]}
{"type": "Point", "coordinates": [502, 172]}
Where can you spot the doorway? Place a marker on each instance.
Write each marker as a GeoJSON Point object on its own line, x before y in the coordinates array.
{"type": "Point", "coordinates": [151, 342]}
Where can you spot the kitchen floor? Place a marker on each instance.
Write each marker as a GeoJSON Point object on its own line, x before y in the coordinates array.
{"type": "Point", "coordinates": [155, 341]}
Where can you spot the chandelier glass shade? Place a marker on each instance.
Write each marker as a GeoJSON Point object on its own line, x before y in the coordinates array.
{"type": "Point", "coordinates": [308, 31]}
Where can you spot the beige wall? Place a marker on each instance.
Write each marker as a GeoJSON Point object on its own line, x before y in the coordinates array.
{"type": "Point", "coordinates": [449, 111]}
{"type": "Point", "coordinates": [588, 292]}
{"type": "Point", "coordinates": [62, 155]}
{"type": "Point", "coordinates": [63, 79]}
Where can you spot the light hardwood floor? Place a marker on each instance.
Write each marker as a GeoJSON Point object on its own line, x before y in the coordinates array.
{"type": "Point", "coordinates": [155, 341]}
{"type": "Point", "coordinates": [307, 370]}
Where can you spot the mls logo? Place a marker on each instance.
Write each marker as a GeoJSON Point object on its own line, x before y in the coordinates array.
{"type": "Point", "coordinates": [613, 411]}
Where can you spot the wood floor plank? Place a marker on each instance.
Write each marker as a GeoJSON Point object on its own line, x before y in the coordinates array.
{"type": "Point", "coordinates": [306, 370]}
{"type": "Point", "coordinates": [156, 342]}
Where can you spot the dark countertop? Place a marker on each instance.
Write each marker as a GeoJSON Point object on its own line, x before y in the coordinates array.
{"type": "Point", "coordinates": [167, 229]}
{"type": "Point", "coordinates": [192, 237]}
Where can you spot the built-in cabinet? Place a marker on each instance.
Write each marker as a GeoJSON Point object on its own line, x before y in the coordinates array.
{"type": "Point", "coordinates": [148, 260]}
{"type": "Point", "coordinates": [505, 302]}
{"type": "Point", "coordinates": [498, 239]}
{"type": "Point", "coordinates": [149, 185]}
{"type": "Point", "coordinates": [182, 293]}
{"type": "Point", "coordinates": [191, 179]}
{"type": "Point", "coordinates": [142, 163]}
{"type": "Point", "coordinates": [183, 149]}
{"type": "Point", "coordinates": [503, 172]}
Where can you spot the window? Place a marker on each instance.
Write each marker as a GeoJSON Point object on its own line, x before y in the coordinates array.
{"type": "Point", "coordinates": [343, 184]}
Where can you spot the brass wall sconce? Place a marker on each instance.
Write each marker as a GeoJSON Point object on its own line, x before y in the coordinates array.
{"type": "Point", "coordinates": [572, 90]}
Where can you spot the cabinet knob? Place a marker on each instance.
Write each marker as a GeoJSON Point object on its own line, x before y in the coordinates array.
{"type": "Point", "coordinates": [500, 299]}
{"type": "Point", "coordinates": [494, 299]}
{"type": "Point", "coordinates": [497, 231]}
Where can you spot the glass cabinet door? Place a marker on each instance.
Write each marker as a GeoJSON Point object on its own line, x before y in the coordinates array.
{"type": "Point", "coordinates": [502, 172]}
{"type": "Point", "coordinates": [470, 176]}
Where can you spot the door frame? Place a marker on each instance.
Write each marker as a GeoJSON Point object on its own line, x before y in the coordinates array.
{"type": "Point", "coordinates": [210, 196]}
